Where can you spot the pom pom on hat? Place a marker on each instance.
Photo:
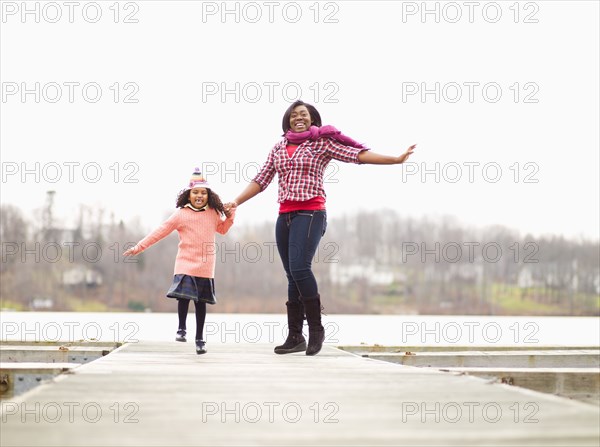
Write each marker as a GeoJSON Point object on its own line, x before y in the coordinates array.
{"type": "Point", "coordinates": [197, 180]}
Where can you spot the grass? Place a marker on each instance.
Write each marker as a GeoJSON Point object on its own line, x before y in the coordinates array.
{"type": "Point", "coordinates": [11, 305]}
{"type": "Point", "coordinates": [510, 298]}
{"type": "Point", "coordinates": [526, 306]}
{"type": "Point", "coordinates": [79, 305]}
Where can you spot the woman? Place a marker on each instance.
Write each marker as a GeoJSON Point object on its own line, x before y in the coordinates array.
{"type": "Point", "coordinates": [300, 160]}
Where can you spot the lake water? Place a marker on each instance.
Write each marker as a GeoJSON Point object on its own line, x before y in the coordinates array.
{"type": "Point", "coordinates": [408, 330]}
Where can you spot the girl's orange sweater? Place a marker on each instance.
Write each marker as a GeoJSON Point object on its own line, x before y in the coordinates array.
{"type": "Point", "coordinates": [197, 248]}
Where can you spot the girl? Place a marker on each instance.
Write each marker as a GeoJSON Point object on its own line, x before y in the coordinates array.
{"type": "Point", "coordinates": [300, 160]}
{"type": "Point", "coordinates": [198, 217]}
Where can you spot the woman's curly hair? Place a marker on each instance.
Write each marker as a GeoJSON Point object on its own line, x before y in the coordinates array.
{"type": "Point", "coordinates": [214, 201]}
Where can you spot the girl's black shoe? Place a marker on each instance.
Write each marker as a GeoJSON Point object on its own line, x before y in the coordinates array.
{"type": "Point", "coordinates": [200, 347]}
{"type": "Point", "coordinates": [180, 335]}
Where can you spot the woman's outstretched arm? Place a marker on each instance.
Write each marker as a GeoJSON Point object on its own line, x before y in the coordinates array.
{"type": "Point", "coordinates": [372, 158]}
{"type": "Point", "coordinates": [251, 190]}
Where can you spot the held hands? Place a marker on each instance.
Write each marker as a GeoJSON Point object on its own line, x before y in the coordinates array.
{"type": "Point", "coordinates": [229, 206]}
{"type": "Point", "coordinates": [402, 158]}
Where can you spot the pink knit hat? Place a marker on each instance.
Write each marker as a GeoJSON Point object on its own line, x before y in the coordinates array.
{"type": "Point", "coordinates": [197, 180]}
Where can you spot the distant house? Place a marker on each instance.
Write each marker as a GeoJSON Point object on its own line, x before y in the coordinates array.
{"type": "Point", "coordinates": [41, 303]}
{"type": "Point", "coordinates": [381, 276]}
{"type": "Point", "coordinates": [79, 275]}
{"type": "Point", "coordinates": [525, 278]}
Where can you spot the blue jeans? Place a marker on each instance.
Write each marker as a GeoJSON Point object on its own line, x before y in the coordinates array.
{"type": "Point", "coordinates": [298, 234]}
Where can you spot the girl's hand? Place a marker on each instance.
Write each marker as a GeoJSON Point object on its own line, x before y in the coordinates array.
{"type": "Point", "coordinates": [228, 206]}
{"type": "Point", "coordinates": [129, 252]}
{"type": "Point", "coordinates": [402, 158]}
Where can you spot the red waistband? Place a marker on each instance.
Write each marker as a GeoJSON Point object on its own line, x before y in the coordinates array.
{"type": "Point", "coordinates": [316, 203]}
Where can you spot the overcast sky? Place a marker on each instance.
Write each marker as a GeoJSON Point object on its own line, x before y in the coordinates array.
{"type": "Point", "coordinates": [501, 97]}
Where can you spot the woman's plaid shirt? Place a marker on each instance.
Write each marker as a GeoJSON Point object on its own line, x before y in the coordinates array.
{"type": "Point", "coordinates": [301, 176]}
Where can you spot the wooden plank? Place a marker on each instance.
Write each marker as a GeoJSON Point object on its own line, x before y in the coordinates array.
{"type": "Point", "coordinates": [574, 383]}
{"type": "Point", "coordinates": [521, 359]}
{"type": "Point", "coordinates": [450, 348]}
{"type": "Point", "coordinates": [41, 344]}
{"type": "Point", "coordinates": [17, 378]}
{"type": "Point", "coordinates": [48, 354]}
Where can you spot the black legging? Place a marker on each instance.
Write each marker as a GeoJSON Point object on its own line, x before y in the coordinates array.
{"type": "Point", "coordinates": [182, 311]}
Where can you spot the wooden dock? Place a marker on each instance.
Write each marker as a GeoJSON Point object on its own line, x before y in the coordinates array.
{"type": "Point", "coordinates": [162, 393]}
{"type": "Point", "coordinates": [556, 358]}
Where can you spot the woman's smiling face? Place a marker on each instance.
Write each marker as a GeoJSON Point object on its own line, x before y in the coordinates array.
{"type": "Point", "coordinates": [300, 120]}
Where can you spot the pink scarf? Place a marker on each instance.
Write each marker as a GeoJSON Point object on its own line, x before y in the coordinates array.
{"type": "Point", "coordinates": [315, 133]}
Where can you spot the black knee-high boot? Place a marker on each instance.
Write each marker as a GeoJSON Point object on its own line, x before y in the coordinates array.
{"type": "Point", "coordinates": [295, 341]}
{"type": "Point", "coordinates": [316, 332]}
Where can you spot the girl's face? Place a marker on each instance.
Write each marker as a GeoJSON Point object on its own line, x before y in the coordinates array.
{"type": "Point", "coordinates": [198, 197]}
{"type": "Point", "coordinates": [300, 119]}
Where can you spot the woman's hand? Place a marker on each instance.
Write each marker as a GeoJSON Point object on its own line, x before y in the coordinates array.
{"type": "Point", "coordinates": [402, 158]}
{"type": "Point", "coordinates": [373, 158]}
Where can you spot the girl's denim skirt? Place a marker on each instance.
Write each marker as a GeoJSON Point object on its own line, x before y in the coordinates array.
{"type": "Point", "coordinates": [186, 287]}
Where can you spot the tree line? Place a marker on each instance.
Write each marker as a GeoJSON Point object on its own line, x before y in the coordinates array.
{"type": "Point", "coordinates": [367, 262]}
